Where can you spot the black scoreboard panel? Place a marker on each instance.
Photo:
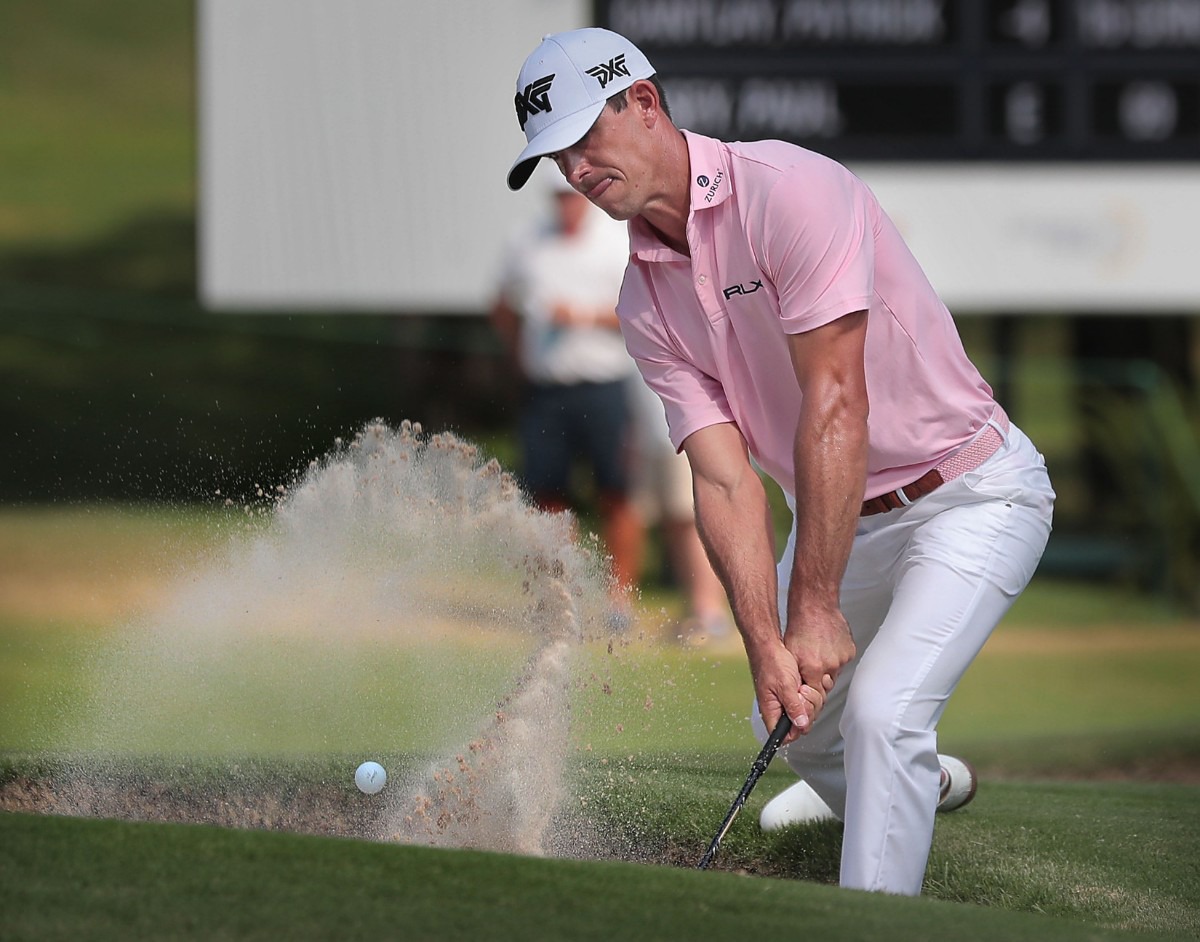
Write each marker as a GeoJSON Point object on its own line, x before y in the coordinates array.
{"type": "Point", "coordinates": [931, 80]}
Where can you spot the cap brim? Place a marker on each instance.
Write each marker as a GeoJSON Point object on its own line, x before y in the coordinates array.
{"type": "Point", "coordinates": [561, 134]}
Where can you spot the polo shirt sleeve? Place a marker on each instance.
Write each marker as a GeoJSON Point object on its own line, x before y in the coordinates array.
{"type": "Point", "coordinates": [691, 399]}
{"type": "Point", "coordinates": [817, 243]}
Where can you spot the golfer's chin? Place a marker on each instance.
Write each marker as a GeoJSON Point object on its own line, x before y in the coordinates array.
{"type": "Point", "coordinates": [605, 196]}
{"type": "Point", "coordinates": [618, 214]}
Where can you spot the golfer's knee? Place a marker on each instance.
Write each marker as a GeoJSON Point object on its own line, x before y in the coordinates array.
{"type": "Point", "coordinates": [870, 719]}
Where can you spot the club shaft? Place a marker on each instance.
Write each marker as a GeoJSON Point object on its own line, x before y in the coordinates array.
{"type": "Point", "coordinates": [782, 728]}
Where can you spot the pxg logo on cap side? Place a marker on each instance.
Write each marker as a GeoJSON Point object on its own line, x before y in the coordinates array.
{"type": "Point", "coordinates": [605, 72]}
{"type": "Point", "coordinates": [535, 99]}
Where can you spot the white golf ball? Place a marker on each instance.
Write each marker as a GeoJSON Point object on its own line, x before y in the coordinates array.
{"type": "Point", "coordinates": [370, 777]}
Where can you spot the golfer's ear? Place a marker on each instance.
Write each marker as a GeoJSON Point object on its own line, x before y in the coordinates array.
{"type": "Point", "coordinates": [644, 96]}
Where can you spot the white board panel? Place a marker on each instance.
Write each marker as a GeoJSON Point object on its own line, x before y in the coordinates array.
{"type": "Point", "coordinates": [353, 153]}
{"type": "Point", "coordinates": [1050, 238]}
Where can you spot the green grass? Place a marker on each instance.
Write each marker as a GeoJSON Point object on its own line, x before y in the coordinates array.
{"type": "Point", "coordinates": [275, 696]}
{"type": "Point", "coordinates": [1122, 856]}
{"type": "Point", "coordinates": [303, 695]}
{"type": "Point", "coordinates": [1065, 604]}
{"type": "Point", "coordinates": [62, 878]}
{"type": "Point", "coordinates": [43, 674]}
{"type": "Point", "coordinates": [1042, 691]}
{"type": "Point", "coordinates": [1118, 855]}
{"type": "Point", "coordinates": [1079, 682]}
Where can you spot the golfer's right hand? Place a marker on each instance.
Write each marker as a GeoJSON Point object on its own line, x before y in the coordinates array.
{"type": "Point", "coordinates": [780, 690]}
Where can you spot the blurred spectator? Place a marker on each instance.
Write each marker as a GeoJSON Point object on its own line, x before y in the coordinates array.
{"type": "Point", "coordinates": [555, 311]}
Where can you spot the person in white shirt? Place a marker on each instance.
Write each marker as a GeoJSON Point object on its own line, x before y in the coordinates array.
{"type": "Point", "coordinates": [555, 311]}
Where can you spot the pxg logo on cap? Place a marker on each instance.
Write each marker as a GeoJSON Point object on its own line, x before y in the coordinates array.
{"type": "Point", "coordinates": [604, 72]}
{"type": "Point", "coordinates": [534, 99]}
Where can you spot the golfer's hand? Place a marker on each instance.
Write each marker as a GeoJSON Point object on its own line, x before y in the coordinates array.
{"type": "Point", "coordinates": [780, 690]}
{"type": "Point", "coordinates": [821, 646]}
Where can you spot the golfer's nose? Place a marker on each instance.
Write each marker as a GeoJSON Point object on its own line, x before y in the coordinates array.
{"type": "Point", "coordinates": [572, 164]}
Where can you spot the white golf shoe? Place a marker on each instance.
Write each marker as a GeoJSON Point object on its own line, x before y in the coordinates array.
{"type": "Point", "coordinates": [958, 783]}
{"type": "Point", "coordinates": [799, 804]}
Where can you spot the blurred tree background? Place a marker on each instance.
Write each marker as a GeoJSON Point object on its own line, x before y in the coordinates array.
{"type": "Point", "coordinates": [117, 385]}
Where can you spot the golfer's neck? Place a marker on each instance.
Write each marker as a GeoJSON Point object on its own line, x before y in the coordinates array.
{"type": "Point", "coordinates": [671, 226]}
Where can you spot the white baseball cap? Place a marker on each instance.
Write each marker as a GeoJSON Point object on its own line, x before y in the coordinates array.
{"type": "Point", "coordinates": [563, 86]}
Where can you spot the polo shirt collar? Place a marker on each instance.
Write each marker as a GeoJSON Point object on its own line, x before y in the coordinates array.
{"type": "Point", "coordinates": [709, 160]}
{"type": "Point", "coordinates": [710, 186]}
{"type": "Point", "coordinates": [645, 244]}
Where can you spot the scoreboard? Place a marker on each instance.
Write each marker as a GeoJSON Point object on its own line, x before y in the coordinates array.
{"type": "Point", "coordinates": [931, 80]}
{"type": "Point", "coordinates": [1039, 155]}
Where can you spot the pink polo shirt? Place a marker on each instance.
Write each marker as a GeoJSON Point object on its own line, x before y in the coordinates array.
{"type": "Point", "coordinates": [782, 241]}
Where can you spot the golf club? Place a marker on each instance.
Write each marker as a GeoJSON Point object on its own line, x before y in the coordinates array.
{"type": "Point", "coordinates": [756, 771]}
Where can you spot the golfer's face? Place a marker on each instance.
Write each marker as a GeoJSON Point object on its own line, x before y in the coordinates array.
{"type": "Point", "coordinates": [604, 164]}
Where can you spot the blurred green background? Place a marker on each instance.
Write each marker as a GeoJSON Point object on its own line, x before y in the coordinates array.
{"type": "Point", "coordinates": [119, 386]}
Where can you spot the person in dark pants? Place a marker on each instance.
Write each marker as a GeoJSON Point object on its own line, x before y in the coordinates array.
{"type": "Point", "coordinates": [555, 310]}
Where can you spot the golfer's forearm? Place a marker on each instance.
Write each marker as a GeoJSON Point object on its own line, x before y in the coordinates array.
{"type": "Point", "coordinates": [831, 463]}
{"type": "Point", "coordinates": [735, 526]}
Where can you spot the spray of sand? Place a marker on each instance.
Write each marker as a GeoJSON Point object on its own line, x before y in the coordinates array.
{"type": "Point", "coordinates": [400, 541]}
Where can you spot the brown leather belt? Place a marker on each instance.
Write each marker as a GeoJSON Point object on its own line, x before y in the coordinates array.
{"type": "Point", "coordinates": [968, 458]}
{"type": "Point", "coordinates": [928, 482]}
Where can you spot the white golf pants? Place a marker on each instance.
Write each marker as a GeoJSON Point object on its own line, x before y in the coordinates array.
{"type": "Point", "coordinates": [924, 587]}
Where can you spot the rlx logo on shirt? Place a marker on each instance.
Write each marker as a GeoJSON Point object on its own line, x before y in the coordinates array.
{"type": "Point", "coordinates": [741, 289]}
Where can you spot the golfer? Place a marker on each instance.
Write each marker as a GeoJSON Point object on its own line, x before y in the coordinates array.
{"type": "Point", "coordinates": [775, 310]}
